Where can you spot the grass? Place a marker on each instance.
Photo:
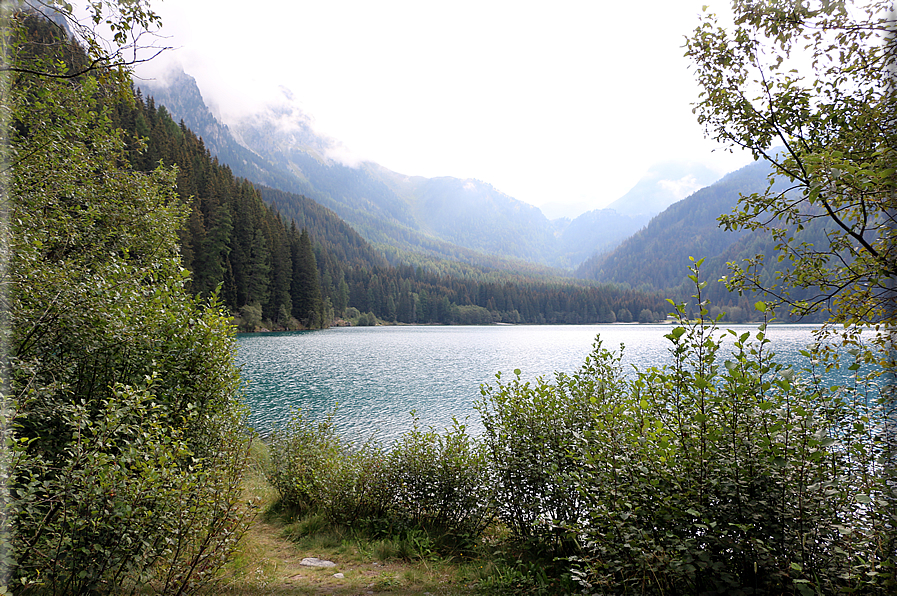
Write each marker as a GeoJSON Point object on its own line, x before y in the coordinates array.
{"type": "Point", "coordinates": [268, 561]}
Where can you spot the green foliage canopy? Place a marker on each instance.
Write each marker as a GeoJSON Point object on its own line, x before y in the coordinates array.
{"type": "Point", "coordinates": [126, 440]}
{"type": "Point", "coordinates": [809, 86]}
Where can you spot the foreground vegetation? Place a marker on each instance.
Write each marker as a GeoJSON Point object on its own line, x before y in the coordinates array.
{"type": "Point", "coordinates": [268, 560]}
{"type": "Point", "coordinates": [708, 475]}
{"type": "Point", "coordinates": [127, 448]}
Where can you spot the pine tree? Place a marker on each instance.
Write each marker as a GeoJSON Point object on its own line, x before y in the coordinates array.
{"type": "Point", "coordinates": [305, 289]}
{"type": "Point", "coordinates": [258, 279]}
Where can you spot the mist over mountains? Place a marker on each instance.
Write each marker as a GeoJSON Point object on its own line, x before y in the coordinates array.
{"type": "Point", "coordinates": [642, 241]}
{"type": "Point", "coordinates": [278, 147]}
{"type": "Point", "coordinates": [662, 185]}
{"type": "Point", "coordinates": [657, 256]}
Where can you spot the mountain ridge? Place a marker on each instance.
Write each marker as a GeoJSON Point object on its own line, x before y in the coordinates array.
{"type": "Point", "coordinates": [469, 213]}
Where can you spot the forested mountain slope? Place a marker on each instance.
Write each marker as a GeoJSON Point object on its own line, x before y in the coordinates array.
{"type": "Point", "coordinates": [657, 257]}
{"type": "Point", "coordinates": [456, 219]}
{"type": "Point", "coordinates": [412, 221]}
{"type": "Point", "coordinates": [230, 237]}
{"type": "Point", "coordinates": [308, 268]}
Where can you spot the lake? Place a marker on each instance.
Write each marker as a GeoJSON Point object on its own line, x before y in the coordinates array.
{"type": "Point", "coordinates": [378, 375]}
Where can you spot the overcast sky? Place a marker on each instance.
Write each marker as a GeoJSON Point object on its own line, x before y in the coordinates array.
{"type": "Point", "coordinates": [563, 102]}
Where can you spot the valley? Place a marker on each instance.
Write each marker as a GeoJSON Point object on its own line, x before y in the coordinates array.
{"type": "Point", "coordinates": [458, 219]}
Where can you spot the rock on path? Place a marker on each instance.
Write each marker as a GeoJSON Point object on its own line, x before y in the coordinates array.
{"type": "Point", "coordinates": [316, 562]}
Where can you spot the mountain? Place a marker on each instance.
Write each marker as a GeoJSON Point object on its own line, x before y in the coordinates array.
{"type": "Point", "coordinates": [664, 184]}
{"type": "Point", "coordinates": [178, 92]}
{"type": "Point", "coordinates": [303, 267]}
{"type": "Point", "coordinates": [658, 255]}
{"type": "Point", "coordinates": [384, 205]}
{"type": "Point", "coordinates": [594, 232]}
{"type": "Point", "coordinates": [661, 186]}
{"type": "Point", "coordinates": [440, 217]}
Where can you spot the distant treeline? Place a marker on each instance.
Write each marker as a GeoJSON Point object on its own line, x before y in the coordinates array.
{"type": "Point", "coordinates": [308, 270]}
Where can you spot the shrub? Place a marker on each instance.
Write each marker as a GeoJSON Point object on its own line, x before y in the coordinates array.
{"type": "Point", "coordinates": [367, 319]}
{"type": "Point", "coordinates": [530, 431]}
{"type": "Point", "coordinates": [646, 316]}
{"type": "Point", "coordinates": [301, 453]}
{"type": "Point", "coordinates": [707, 475]}
{"type": "Point", "coordinates": [471, 315]}
{"type": "Point", "coordinates": [439, 480]}
{"type": "Point", "coordinates": [251, 316]}
{"type": "Point", "coordinates": [129, 444]}
{"type": "Point", "coordinates": [729, 477]}
{"type": "Point", "coordinates": [427, 480]}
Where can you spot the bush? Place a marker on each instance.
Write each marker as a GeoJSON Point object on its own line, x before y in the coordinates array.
{"type": "Point", "coordinates": [729, 477]}
{"type": "Point", "coordinates": [251, 315]}
{"type": "Point", "coordinates": [129, 442]}
{"type": "Point", "coordinates": [646, 316]}
{"type": "Point", "coordinates": [705, 476]}
{"type": "Point", "coordinates": [439, 481]}
{"type": "Point", "coordinates": [301, 454]}
{"type": "Point", "coordinates": [367, 319]}
{"type": "Point", "coordinates": [471, 315]}
{"type": "Point", "coordinates": [530, 431]}
{"type": "Point", "coordinates": [428, 480]}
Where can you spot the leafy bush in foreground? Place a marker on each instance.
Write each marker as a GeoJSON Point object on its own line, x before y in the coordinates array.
{"type": "Point", "coordinates": [438, 481]}
{"type": "Point", "coordinates": [427, 479]}
{"type": "Point", "coordinates": [715, 477]}
{"type": "Point", "coordinates": [709, 475]}
{"type": "Point", "coordinates": [126, 442]}
{"type": "Point", "coordinates": [530, 431]}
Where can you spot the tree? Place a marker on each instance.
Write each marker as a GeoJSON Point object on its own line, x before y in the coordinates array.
{"type": "Point", "coordinates": [305, 288]}
{"type": "Point", "coordinates": [130, 23]}
{"type": "Point", "coordinates": [645, 316]}
{"type": "Point", "coordinates": [209, 267]}
{"type": "Point", "coordinates": [280, 305]}
{"type": "Point", "coordinates": [809, 86]}
{"type": "Point", "coordinates": [258, 271]}
{"type": "Point", "coordinates": [126, 441]}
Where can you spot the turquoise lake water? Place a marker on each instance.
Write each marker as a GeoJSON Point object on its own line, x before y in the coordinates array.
{"type": "Point", "coordinates": [378, 375]}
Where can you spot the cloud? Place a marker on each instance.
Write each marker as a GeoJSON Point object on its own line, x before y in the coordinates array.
{"type": "Point", "coordinates": [161, 71]}
{"type": "Point", "coordinates": [344, 156]}
{"type": "Point", "coordinates": [348, 64]}
{"type": "Point", "coordinates": [286, 125]}
{"type": "Point", "coordinates": [682, 187]}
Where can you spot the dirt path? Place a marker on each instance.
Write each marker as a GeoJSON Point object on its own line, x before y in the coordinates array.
{"type": "Point", "coordinates": [270, 565]}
